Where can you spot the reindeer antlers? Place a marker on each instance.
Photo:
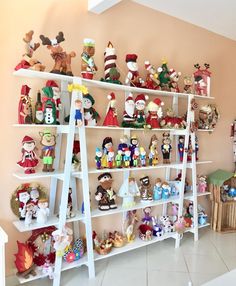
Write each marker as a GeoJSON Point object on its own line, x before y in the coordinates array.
{"type": "Point", "coordinates": [45, 40]}
{"type": "Point", "coordinates": [60, 37]}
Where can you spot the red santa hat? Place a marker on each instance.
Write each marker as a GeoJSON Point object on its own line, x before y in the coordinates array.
{"type": "Point", "coordinates": [21, 191]}
{"type": "Point", "coordinates": [131, 58]}
{"type": "Point", "coordinates": [130, 97]}
{"type": "Point", "coordinates": [25, 89]}
{"type": "Point", "coordinates": [141, 97]}
{"type": "Point", "coordinates": [147, 65]}
{"type": "Point", "coordinates": [111, 96]}
{"type": "Point", "coordinates": [158, 102]}
{"type": "Point", "coordinates": [51, 83]}
{"type": "Point", "coordinates": [27, 139]}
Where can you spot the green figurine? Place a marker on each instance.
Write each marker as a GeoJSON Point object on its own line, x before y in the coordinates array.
{"type": "Point", "coordinates": [49, 106]}
{"type": "Point", "coordinates": [164, 76]}
{"type": "Point", "coordinates": [118, 159]}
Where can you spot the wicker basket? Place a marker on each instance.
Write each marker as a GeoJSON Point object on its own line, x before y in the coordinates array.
{"type": "Point", "coordinates": [103, 251]}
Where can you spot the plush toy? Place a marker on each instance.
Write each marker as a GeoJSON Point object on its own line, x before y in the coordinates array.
{"type": "Point", "coordinates": [76, 156]}
{"type": "Point", "coordinates": [133, 78]}
{"type": "Point", "coordinates": [152, 81]}
{"type": "Point", "coordinates": [123, 144]}
{"type": "Point", "coordinates": [56, 97]}
{"type": "Point", "coordinates": [98, 158]}
{"type": "Point", "coordinates": [62, 59]}
{"type": "Point", "coordinates": [167, 224]}
{"type": "Point", "coordinates": [188, 84]}
{"type": "Point", "coordinates": [25, 113]}
{"type": "Point", "coordinates": [111, 113]}
{"type": "Point", "coordinates": [154, 109]}
{"type": "Point", "coordinates": [102, 246]}
{"type": "Point", "coordinates": [134, 143]}
{"type": "Point", "coordinates": [62, 239]}
{"type": "Point", "coordinates": [91, 116]}
{"type": "Point", "coordinates": [49, 106]}
{"type": "Point", "coordinates": [127, 158]}
{"type": "Point", "coordinates": [105, 195]}
{"type": "Point", "coordinates": [78, 113]}
{"type": "Point", "coordinates": [166, 148]}
{"type": "Point", "coordinates": [153, 142]}
{"type": "Point", "coordinates": [164, 76]}
{"type": "Point", "coordinates": [29, 159]}
{"type": "Point", "coordinates": [157, 190]}
{"type": "Point", "coordinates": [202, 80]}
{"type": "Point", "coordinates": [43, 211]}
{"type": "Point", "coordinates": [129, 112]}
{"type": "Point", "coordinates": [48, 142]}
{"type": "Point", "coordinates": [172, 121]}
{"type": "Point", "coordinates": [106, 145]}
{"type": "Point", "coordinates": [119, 159]}
{"type": "Point", "coordinates": [153, 156]}
{"type": "Point", "coordinates": [140, 104]}
{"type": "Point", "coordinates": [135, 157]}
{"type": "Point", "coordinates": [174, 79]}
{"type": "Point", "coordinates": [128, 191]}
{"type": "Point", "coordinates": [147, 219]}
{"type": "Point", "coordinates": [34, 198]}
{"type": "Point", "coordinates": [112, 75]}
{"type": "Point", "coordinates": [88, 67]}
{"type": "Point", "coordinates": [145, 189]}
{"type": "Point", "coordinates": [157, 228]}
{"type": "Point", "coordinates": [118, 240]}
{"type": "Point", "coordinates": [28, 61]}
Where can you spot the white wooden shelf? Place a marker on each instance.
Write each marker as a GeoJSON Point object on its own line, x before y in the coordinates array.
{"type": "Point", "coordinates": [191, 229]}
{"type": "Point", "coordinates": [60, 128]}
{"type": "Point", "coordinates": [52, 220]}
{"type": "Point", "coordinates": [39, 175]}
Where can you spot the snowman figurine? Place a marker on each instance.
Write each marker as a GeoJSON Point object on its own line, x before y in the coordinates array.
{"type": "Point", "coordinates": [90, 114]}
{"type": "Point", "coordinates": [133, 78]}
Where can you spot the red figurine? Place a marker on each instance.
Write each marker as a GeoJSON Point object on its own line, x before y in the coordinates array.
{"type": "Point", "coordinates": [25, 113]}
{"type": "Point", "coordinates": [29, 159]}
{"type": "Point", "coordinates": [111, 113]}
{"type": "Point", "coordinates": [133, 78]}
{"type": "Point", "coordinates": [154, 112]}
{"type": "Point", "coordinates": [152, 81]}
{"type": "Point", "coordinates": [174, 78]}
{"type": "Point", "coordinates": [129, 112]}
{"type": "Point", "coordinates": [202, 80]}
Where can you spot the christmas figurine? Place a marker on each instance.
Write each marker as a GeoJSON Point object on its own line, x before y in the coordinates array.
{"type": "Point", "coordinates": [154, 109]}
{"type": "Point", "coordinates": [39, 117]}
{"type": "Point", "coordinates": [48, 142]}
{"type": "Point", "coordinates": [129, 114]}
{"type": "Point", "coordinates": [133, 145]}
{"type": "Point", "coordinates": [112, 75]}
{"type": "Point", "coordinates": [152, 81]}
{"type": "Point", "coordinates": [106, 145]}
{"type": "Point", "coordinates": [88, 67]}
{"type": "Point", "coordinates": [140, 104]}
{"type": "Point", "coordinates": [181, 148]}
{"type": "Point", "coordinates": [133, 78]}
{"type": "Point", "coordinates": [43, 211]}
{"type": "Point", "coordinates": [202, 80]}
{"type": "Point", "coordinates": [119, 159]}
{"type": "Point", "coordinates": [23, 197]}
{"type": "Point", "coordinates": [28, 61]}
{"type": "Point", "coordinates": [174, 78]}
{"type": "Point", "coordinates": [34, 198]}
{"type": "Point", "coordinates": [142, 157]}
{"type": "Point", "coordinates": [135, 157]}
{"type": "Point", "coordinates": [29, 210]}
{"type": "Point", "coordinates": [49, 106]}
{"type": "Point", "coordinates": [29, 159]}
{"type": "Point", "coordinates": [127, 158]}
{"type": "Point", "coordinates": [111, 113]}
{"type": "Point", "coordinates": [62, 59]}
{"type": "Point", "coordinates": [202, 184]}
{"type": "Point", "coordinates": [56, 97]}
{"type": "Point", "coordinates": [105, 195]}
{"type": "Point", "coordinates": [128, 191]}
{"type": "Point", "coordinates": [188, 84]}
{"type": "Point", "coordinates": [78, 113]}
{"type": "Point", "coordinates": [25, 113]}
{"type": "Point", "coordinates": [166, 149]}
{"type": "Point", "coordinates": [166, 190]}
{"type": "Point", "coordinates": [90, 114]}
{"type": "Point", "coordinates": [208, 117]}
{"type": "Point", "coordinates": [157, 190]}
{"type": "Point", "coordinates": [110, 158]}
{"type": "Point", "coordinates": [145, 189]}
{"type": "Point", "coordinates": [164, 76]}
{"type": "Point", "coordinates": [98, 158]}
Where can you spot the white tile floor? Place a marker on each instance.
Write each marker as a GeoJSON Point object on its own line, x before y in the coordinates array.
{"type": "Point", "coordinates": [161, 264]}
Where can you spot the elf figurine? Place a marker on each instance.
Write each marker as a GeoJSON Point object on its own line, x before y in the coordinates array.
{"type": "Point", "coordinates": [166, 148]}
{"type": "Point", "coordinates": [133, 78]}
{"type": "Point", "coordinates": [145, 189]}
{"type": "Point", "coordinates": [25, 113]}
{"type": "Point", "coordinates": [135, 157]}
{"type": "Point", "coordinates": [111, 113]}
{"type": "Point", "coordinates": [56, 97]}
{"type": "Point", "coordinates": [78, 113]}
{"type": "Point", "coordinates": [166, 190]}
{"type": "Point", "coordinates": [23, 197]}
{"type": "Point", "coordinates": [142, 157]}
{"type": "Point", "coordinates": [48, 142]}
{"type": "Point", "coordinates": [90, 114]}
{"type": "Point", "coordinates": [154, 109]}
{"type": "Point", "coordinates": [110, 158]}
{"type": "Point", "coordinates": [140, 104]}
{"type": "Point", "coordinates": [29, 159]}
{"type": "Point", "coordinates": [98, 158]}
{"type": "Point", "coordinates": [88, 67]}
{"type": "Point", "coordinates": [157, 190]}
{"type": "Point", "coordinates": [49, 106]}
{"type": "Point", "coordinates": [129, 114]}
{"type": "Point", "coordinates": [119, 159]}
{"type": "Point", "coordinates": [105, 195]}
{"type": "Point", "coordinates": [106, 145]}
{"type": "Point", "coordinates": [127, 158]}
{"type": "Point", "coordinates": [164, 76]}
{"type": "Point", "coordinates": [181, 148]}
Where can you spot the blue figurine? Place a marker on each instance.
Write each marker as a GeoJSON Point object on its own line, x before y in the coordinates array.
{"type": "Point", "coordinates": [165, 191]}
{"type": "Point", "coordinates": [157, 190]}
{"type": "Point", "coordinates": [232, 192]}
{"type": "Point", "coordinates": [78, 113]}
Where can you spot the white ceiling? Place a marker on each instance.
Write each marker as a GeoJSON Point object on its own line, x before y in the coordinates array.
{"type": "Point", "coordinates": [218, 16]}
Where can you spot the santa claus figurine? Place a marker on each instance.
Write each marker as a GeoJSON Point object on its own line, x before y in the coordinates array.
{"type": "Point", "coordinates": [56, 97]}
{"type": "Point", "coordinates": [29, 159]}
{"type": "Point", "coordinates": [25, 114]}
{"type": "Point", "coordinates": [133, 78]}
{"type": "Point", "coordinates": [111, 113]}
{"type": "Point", "coordinates": [154, 109]}
{"type": "Point", "coordinates": [128, 115]}
{"type": "Point", "coordinates": [23, 197]}
{"type": "Point", "coordinates": [140, 104]}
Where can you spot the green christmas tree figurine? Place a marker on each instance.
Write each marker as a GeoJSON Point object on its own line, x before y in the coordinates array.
{"type": "Point", "coordinates": [164, 76]}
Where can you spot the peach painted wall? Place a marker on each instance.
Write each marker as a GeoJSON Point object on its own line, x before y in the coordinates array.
{"type": "Point", "coordinates": [132, 29]}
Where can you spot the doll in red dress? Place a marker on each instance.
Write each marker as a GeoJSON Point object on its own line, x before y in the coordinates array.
{"type": "Point", "coordinates": [111, 116]}
{"type": "Point", "coordinates": [29, 159]}
{"type": "Point", "coordinates": [154, 109]}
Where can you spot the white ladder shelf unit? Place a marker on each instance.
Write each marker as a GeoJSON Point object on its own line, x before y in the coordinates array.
{"type": "Point", "coordinates": [69, 177]}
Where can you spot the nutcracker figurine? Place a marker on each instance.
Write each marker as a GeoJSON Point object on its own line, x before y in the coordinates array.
{"type": "Point", "coordinates": [25, 113]}
{"type": "Point", "coordinates": [181, 148]}
{"type": "Point", "coordinates": [29, 159]}
{"type": "Point", "coordinates": [145, 189]}
{"type": "Point", "coordinates": [166, 149]}
{"type": "Point", "coordinates": [111, 113]}
{"type": "Point", "coordinates": [88, 67]}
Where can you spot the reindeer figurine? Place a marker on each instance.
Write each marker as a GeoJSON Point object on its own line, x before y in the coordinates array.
{"type": "Point", "coordinates": [28, 62]}
{"type": "Point", "coordinates": [62, 59]}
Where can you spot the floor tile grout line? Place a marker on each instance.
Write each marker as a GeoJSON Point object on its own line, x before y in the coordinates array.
{"type": "Point", "coordinates": [103, 276]}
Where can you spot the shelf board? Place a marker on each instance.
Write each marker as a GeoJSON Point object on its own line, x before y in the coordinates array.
{"type": "Point", "coordinates": [65, 266]}
{"type": "Point", "coordinates": [38, 175]}
{"type": "Point", "coordinates": [205, 130]}
{"type": "Point", "coordinates": [189, 196]}
{"type": "Point", "coordinates": [191, 229]}
{"type": "Point", "coordinates": [60, 128]}
{"type": "Point", "coordinates": [137, 243]}
{"type": "Point", "coordinates": [101, 84]}
{"type": "Point", "coordinates": [53, 220]}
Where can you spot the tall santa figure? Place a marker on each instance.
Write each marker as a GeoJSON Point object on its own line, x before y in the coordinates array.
{"type": "Point", "coordinates": [56, 97]}
{"type": "Point", "coordinates": [128, 115]}
{"type": "Point", "coordinates": [154, 109]}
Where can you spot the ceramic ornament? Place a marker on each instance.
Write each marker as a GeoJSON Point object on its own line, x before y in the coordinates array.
{"type": "Point", "coordinates": [202, 80]}
{"type": "Point", "coordinates": [111, 112]}
{"type": "Point", "coordinates": [25, 112]}
{"type": "Point", "coordinates": [128, 191]}
{"type": "Point", "coordinates": [28, 61]}
{"type": "Point", "coordinates": [29, 159]}
{"type": "Point", "coordinates": [48, 142]}
{"type": "Point", "coordinates": [62, 59]}
{"type": "Point", "coordinates": [154, 111]}
{"type": "Point", "coordinates": [88, 67]}
{"type": "Point", "coordinates": [56, 97]}
{"type": "Point", "coordinates": [133, 78]}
